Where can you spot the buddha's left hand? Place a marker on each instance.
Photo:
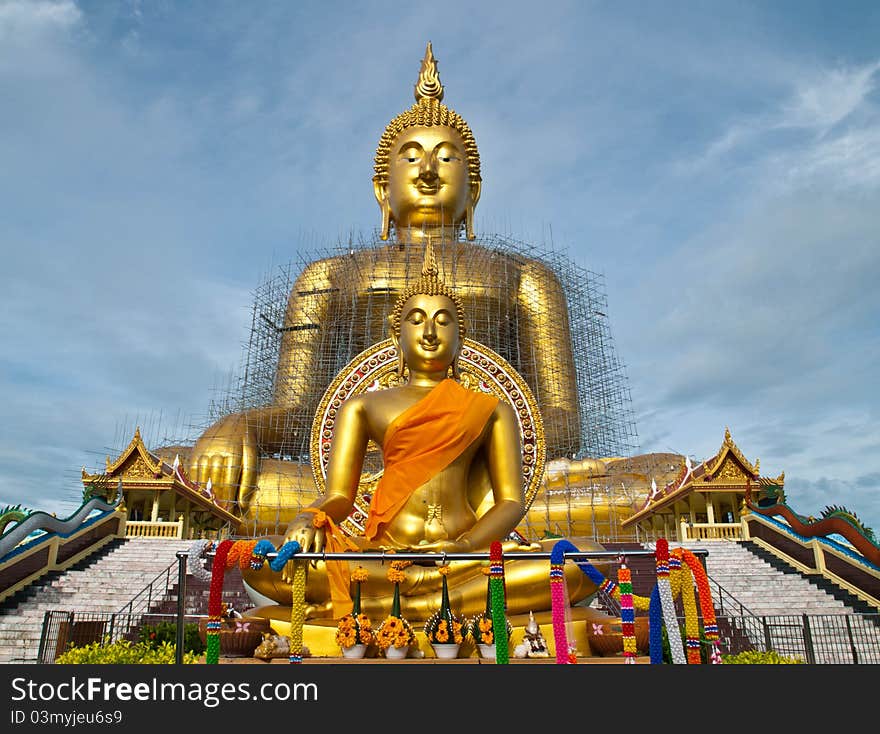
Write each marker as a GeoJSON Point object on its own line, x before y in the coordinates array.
{"type": "Point", "coordinates": [443, 546]}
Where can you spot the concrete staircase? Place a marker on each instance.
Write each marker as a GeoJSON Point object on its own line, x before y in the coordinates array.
{"type": "Point", "coordinates": [839, 627]}
{"type": "Point", "coordinates": [102, 583]}
{"type": "Point", "coordinates": [762, 587]}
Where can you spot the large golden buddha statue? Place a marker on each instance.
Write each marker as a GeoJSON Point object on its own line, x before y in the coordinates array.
{"type": "Point", "coordinates": [427, 183]}
{"type": "Point", "coordinates": [444, 447]}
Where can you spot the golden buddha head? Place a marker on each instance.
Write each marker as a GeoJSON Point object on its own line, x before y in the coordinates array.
{"type": "Point", "coordinates": [427, 166]}
{"type": "Point", "coordinates": [427, 322]}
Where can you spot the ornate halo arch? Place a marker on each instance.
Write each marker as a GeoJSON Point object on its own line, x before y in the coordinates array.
{"type": "Point", "coordinates": [481, 370]}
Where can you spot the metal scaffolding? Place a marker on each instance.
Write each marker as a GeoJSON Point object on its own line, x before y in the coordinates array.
{"type": "Point", "coordinates": [353, 317]}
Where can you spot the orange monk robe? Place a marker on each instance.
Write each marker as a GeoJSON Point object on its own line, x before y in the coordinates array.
{"type": "Point", "coordinates": [422, 441]}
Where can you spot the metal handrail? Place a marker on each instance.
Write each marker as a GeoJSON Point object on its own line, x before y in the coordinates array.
{"type": "Point", "coordinates": [148, 590]}
{"type": "Point", "coordinates": [719, 596]}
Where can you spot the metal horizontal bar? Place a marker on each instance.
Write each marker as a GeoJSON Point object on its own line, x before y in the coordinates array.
{"type": "Point", "coordinates": [473, 556]}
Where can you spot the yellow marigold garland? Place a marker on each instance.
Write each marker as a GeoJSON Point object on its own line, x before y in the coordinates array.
{"type": "Point", "coordinates": [297, 611]}
{"type": "Point", "coordinates": [691, 618]}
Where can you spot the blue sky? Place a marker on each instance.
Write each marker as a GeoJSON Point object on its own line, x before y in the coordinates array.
{"type": "Point", "coordinates": [719, 164]}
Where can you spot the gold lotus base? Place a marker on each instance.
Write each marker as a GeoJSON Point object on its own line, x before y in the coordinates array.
{"type": "Point", "coordinates": [319, 636]}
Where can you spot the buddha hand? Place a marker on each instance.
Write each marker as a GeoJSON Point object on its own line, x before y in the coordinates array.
{"type": "Point", "coordinates": [227, 455]}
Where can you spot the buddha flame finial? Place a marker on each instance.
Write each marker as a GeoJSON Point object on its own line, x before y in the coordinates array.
{"type": "Point", "coordinates": [429, 265]}
{"type": "Point", "coordinates": [428, 86]}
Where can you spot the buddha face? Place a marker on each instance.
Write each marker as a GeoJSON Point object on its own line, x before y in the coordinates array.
{"type": "Point", "coordinates": [427, 179]}
{"type": "Point", "coordinates": [429, 336]}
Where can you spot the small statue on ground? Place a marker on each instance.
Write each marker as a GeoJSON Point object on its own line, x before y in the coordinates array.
{"type": "Point", "coordinates": [533, 644]}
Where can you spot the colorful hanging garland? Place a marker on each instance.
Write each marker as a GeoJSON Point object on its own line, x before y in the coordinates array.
{"type": "Point", "coordinates": [194, 565]}
{"type": "Point", "coordinates": [658, 605]}
{"type": "Point", "coordinates": [259, 552]}
{"type": "Point", "coordinates": [482, 626]}
{"type": "Point", "coordinates": [691, 618]}
{"type": "Point", "coordinates": [661, 554]}
{"type": "Point", "coordinates": [559, 602]}
{"type": "Point", "coordinates": [240, 554]}
{"type": "Point", "coordinates": [707, 608]}
{"type": "Point", "coordinates": [497, 591]}
{"type": "Point", "coordinates": [627, 613]}
{"type": "Point", "coordinates": [215, 608]}
{"type": "Point", "coordinates": [655, 627]}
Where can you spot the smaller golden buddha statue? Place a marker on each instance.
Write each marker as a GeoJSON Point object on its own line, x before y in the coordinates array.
{"type": "Point", "coordinates": [442, 445]}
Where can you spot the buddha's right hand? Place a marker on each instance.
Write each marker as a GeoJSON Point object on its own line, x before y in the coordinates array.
{"type": "Point", "coordinates": [227, 455]}
{"type": "Point", "coordinates": [302, 529]}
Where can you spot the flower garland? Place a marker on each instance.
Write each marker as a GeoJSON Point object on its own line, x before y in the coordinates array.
{"type": "Point", "coordinates": [283, 555]}
{"type": "Point", "coordinates": [259, 553]}
{"type": "Point", "coordinates": [481, 626]}
{"type": "Point", "coordinates": [559, 601]}
{"type": "Point", "coordinates": [355, 628]}
{"type": "Point", "coordinates": [710, 623]}
{"type": "Point", "coordinates": [691, 618]}
{"type": "Point", "coordinates": [661, 554]}
{"type": "Point", "coordinates": [240, 554]}
{"type": "Point", "coordinates": [497, 592]}
{"type": "Point", "coordinates": [194, 565]}
{"type": "Point", "coordinates": [298, 601]}
{"type": "Point", "coordinates": [672, 580]}
{"type": "Point", "coordinates": [627, 613]}
{"type": "Point", "coordinates": [215, 608]}
{"type": "Point", "coordinates": [655, 627]}
{"type": "Point", "coordinates": [395, 630]}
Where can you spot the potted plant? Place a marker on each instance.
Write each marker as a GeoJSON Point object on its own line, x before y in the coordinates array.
{"type": "Point", "coordinates": [395, 635]}
{"type": "Point", "coordinates": [354, 631]}
{"type": "Point", "coordinates": [443, 628]}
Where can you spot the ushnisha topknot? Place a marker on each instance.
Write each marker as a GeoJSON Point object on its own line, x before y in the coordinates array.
{"type": "Point", "coordinates": [428, 111]}
{"type": "Point", "coordinates": [429, 284]}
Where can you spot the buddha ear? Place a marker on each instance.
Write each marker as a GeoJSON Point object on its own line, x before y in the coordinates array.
{"type": "Point", "coordinates": [475, 189]}
{"type": "Point", "coordinates": [380, 191]}
{"type": "Point", "coordinates": [395, 340]}
{"type": "Point", "coordinates": [394, 337]}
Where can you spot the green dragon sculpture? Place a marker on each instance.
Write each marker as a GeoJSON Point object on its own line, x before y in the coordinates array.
{"type": "Point", "coordinates": [12, 513]}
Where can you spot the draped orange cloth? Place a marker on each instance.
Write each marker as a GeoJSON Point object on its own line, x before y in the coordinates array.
{"type": "Point", "coordinates": [422, 441]}
{"type": "Point", "coordinates": [338, 574]}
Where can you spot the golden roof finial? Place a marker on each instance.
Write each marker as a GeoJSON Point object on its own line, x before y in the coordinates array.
{"type": "Point", "coordinates": [428, 85]}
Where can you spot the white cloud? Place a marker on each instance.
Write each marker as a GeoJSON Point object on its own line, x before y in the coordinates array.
{"type": "Point", "coordinates": [825, 100]}
{"type": "Point", "coordinates": [29, 17]}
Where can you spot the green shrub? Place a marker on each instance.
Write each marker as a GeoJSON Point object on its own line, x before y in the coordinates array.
{"type": "Point", "coordinates": [754, 657]}
{"type": "Point", "coordinates": [156, 634]}
{"type": "Point", "coordinates": [123, 652]}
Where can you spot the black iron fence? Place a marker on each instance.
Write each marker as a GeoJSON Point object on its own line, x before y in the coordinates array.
{"type": "Point", "coordinates": [63, 629]}
{"type": "Point", "coordinates": [813, 638]}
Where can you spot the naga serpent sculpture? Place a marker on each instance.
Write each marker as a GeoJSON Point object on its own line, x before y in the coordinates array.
{"type": "Point", "coordinates": [834, 521]}
{"type": "Point", "coordinates": [28, 522]}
